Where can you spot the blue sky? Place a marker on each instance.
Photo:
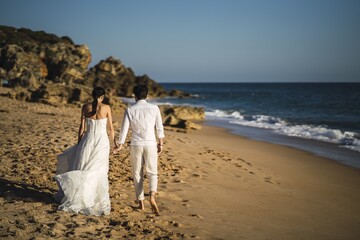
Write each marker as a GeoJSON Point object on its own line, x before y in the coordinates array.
{"type": "Point", "coordinates": [208, 40]}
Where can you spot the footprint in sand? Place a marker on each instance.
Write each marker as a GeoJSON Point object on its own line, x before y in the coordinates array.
{"type": "Point", "coordinates": [196, 215]}
{"type": "Point", "coordinates": [180, 140]}
{"type": "Point", "coordinates": [268, 180]}
{"type": "Point", "coordinates": [238, 165]}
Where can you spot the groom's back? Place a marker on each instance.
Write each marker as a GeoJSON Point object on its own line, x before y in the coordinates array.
{"type": "Point", "coordinates": [142, 112]}
{"type": "Point", "coordinates": [143, 118]}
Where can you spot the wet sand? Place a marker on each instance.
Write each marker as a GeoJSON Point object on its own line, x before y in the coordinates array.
{"type": "Point", "coordinates": [212, 185]}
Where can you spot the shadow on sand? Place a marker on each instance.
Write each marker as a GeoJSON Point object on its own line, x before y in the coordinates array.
{"type": "Point", "coordinates": [12, 190]}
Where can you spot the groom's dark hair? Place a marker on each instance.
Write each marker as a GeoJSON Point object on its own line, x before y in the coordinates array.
{"type": "Point", "coordinates": [140, 91]}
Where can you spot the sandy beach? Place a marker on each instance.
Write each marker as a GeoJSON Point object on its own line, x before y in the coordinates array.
{"type": "Point", "coordinates": [212, 185]}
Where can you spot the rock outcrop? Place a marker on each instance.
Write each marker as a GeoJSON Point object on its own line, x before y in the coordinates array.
{"type": "Point", "coordinates": [182, 116]}
{"type": "Point", "coordinates": [31, 59]}
{"type": "Point", "coordinates": [28, 57]}
{"type": "Point", "coordinates": [59, 94]}
{"type": "Point", "coordinates": [21, 68]}
{"type": "Point", "coordinates": [119, 80]}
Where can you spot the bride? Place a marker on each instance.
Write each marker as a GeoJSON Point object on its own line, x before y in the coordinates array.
{"type": "Point", "coordinates": [82, 170]}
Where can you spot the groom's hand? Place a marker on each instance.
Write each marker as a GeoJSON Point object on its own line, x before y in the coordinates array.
{"type": "Point", "coordinates": [117, 148]}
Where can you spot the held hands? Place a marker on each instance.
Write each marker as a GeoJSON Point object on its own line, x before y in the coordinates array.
{"type": "Point", "coordinates": [117, 147]}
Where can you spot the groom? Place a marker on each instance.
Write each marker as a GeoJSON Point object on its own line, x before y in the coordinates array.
{"type": "Point", "coordinates": [144, 149]}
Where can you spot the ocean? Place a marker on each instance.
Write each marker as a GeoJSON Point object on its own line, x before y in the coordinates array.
{"type": "Point", "coordinates": [323, 118]}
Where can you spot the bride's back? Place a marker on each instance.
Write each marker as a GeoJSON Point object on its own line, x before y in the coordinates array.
{"type": "Point", "coordinates": [101, 111]}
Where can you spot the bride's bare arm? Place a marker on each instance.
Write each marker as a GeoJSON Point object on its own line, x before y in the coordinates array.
{"type": "Point", "coordinates": [111, 127]}
{"type": "Point", "coordinates": [82, 124]}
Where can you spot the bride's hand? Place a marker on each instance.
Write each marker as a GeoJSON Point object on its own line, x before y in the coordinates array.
{"type": "Point", "coordinates": [117, 148]}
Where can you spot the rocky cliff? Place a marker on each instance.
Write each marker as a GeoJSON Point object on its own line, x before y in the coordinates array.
{"type": "Point", "coordinates": [43, 67]}
{"type": "Point", "coordinates": [31, 59]}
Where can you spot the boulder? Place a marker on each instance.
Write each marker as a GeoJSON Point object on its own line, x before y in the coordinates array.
{"type": "Point", "coordinates": [179, 94]}
{"type": "Point", "coordinates": [192, 125]}
{"type": "Point", "coordinates": [184, 112]}
{"type": "Point", "coordinates": [182, 116]}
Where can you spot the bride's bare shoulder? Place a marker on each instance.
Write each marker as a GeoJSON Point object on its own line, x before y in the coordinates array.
{"type": "Point", "coordinates": [105, 106]}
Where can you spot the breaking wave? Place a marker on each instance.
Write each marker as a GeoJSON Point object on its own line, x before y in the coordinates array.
{"type": "Point", "coordinates": [344, 139]}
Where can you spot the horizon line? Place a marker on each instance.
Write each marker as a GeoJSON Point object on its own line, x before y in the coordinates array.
{"type": "Point", "coordinates": [255, 82]}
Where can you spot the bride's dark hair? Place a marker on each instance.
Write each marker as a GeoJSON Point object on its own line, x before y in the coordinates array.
{"type": "Point", "coordinates": [96, 93]}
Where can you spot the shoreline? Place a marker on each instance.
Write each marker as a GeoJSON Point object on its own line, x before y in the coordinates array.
{"type": "Point", "coordinates": [324, 149]}
{"type": "Point", "coordinates": [280, 108]}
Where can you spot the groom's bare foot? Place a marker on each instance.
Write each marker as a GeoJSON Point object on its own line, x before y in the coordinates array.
{"type": "Point", "coordinates": [154, 206]}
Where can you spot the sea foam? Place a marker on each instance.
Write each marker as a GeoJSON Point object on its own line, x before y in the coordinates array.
{"type": "Point", "coordinates": [345, 139]}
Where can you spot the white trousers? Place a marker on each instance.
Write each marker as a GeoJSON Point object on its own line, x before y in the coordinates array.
{"type": "Point", "coordinates": [144, 157]}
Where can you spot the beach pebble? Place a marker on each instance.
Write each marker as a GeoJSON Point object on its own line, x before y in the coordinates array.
{"type": "Point", "coordinates": [176, 224]}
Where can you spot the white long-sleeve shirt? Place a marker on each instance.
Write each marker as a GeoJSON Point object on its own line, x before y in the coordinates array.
{"type": "Point", "coordinates": [143, 117]}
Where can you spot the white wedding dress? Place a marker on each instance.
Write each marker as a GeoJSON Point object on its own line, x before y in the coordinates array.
{"type": "Point", "coordinates": [82, 172]}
